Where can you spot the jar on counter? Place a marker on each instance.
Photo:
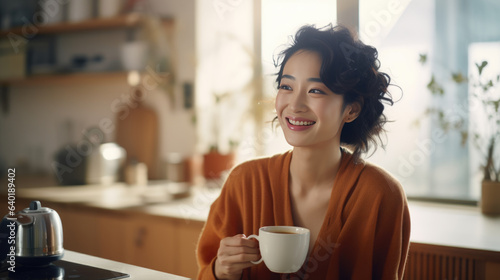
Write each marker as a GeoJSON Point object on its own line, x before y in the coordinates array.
{"type": "Point", "coordinates": [136, 174]}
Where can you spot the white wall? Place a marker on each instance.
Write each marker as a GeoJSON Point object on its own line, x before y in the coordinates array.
{"type": "Point", "coordinates": [32, 131]}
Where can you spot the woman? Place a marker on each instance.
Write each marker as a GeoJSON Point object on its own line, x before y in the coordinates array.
{"type": "Point", "coordinates": [330, 96]}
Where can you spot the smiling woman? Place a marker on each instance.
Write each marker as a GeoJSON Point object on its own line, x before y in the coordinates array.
{"type": "Point", "coordinates": [330, 95]}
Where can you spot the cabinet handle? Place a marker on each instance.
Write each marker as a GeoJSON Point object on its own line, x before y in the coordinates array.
{"type": "Point", "coordinates": [141, 235]}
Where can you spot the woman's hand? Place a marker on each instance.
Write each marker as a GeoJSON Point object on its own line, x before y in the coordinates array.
{"type": "Point", "coordinates": [234, 255]}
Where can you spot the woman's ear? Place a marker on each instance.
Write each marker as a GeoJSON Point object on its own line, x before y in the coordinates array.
{"type": "Point", "coordinates": [352, 111]}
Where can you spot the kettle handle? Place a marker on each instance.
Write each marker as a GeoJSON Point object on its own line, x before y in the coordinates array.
{"type": "Point", "coordinates": [35, 205]}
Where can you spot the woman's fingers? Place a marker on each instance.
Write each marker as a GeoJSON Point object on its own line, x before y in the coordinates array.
{"type": "Point", "coordinates": [238, 250]}
{"type": "Point", "coordinates": [239, 241]}
{"type": "Point", "coordinates": [234, 255]}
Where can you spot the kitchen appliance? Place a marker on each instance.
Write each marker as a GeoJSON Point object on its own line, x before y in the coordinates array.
{"type": "Point", "coordinates": [62, 270]}
{"type": "Point", "coordinates": [104, 163]}
{"type": "Point", "coordinates": [90, 161]}
{"type": "Point", "coordinates": [38, 235]}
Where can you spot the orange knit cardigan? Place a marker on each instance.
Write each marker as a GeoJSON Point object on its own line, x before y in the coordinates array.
{"type": "Point", "coordinates": [365, 234]}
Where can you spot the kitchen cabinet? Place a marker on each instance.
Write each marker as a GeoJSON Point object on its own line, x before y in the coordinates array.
{"type": "Point", "coordinates": [76, 230]}
{"type": "Point", "coordinates": [112, 234]}
{"type": "Point", "coordinates": [427, 261]}
{"type": "Point", "coordinates": [28, 33]}
{"type": "Point", "coordinates": [152, 244]}
{"type": "Point", "coordinates": [188, 233]}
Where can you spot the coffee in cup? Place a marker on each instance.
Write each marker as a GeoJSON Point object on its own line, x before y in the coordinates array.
{"type": "Point", "coordinates": [283, 248]}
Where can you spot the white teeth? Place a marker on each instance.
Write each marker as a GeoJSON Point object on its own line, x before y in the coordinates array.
{"type": "Point", "coordinates": [300, 122]}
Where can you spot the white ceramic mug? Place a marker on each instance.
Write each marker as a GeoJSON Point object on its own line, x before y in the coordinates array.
{"type": "Point", "coordinates": [283, 248]}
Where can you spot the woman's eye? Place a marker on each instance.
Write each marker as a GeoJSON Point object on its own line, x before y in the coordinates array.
{"type": "Point", "coordinates": [285, 87]}
{"type": "Point", "coordinates": [318, 91]}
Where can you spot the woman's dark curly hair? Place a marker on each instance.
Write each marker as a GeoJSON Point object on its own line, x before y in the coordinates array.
{"type": "Point", "coordinates": [349, 68]}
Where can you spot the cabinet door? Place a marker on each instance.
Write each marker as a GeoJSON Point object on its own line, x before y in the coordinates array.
{"type": "Point", "coordinates": [492, 270]}
{"type": "Point", "coordinates": [152, 242]}
{"type": "Point", "coordinates": [113, 241]}
{"type": "Point", "coordinates": [187, 233]}
{"type": "Point", "coordinates": [80, 230]}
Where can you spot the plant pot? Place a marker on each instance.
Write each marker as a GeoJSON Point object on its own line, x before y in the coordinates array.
{"type": "Point", "coordinates": [490, 198]}
{"type": "Point", "coordinates": [215, 163]}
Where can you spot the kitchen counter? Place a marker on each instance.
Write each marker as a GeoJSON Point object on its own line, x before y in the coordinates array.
{"type": "Point", "coordinates": [454, 226]}
{"type": "Point", "coordinates": [174, 200]}
{"type": "Point", "coordinates": [135, 272]}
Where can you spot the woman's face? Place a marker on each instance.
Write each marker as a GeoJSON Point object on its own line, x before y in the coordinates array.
{"type": "Point", "coordinates": [309, 113]}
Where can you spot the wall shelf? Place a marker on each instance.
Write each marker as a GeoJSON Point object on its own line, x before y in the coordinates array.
{"type": "Point", "coordinates": [130, 20]}
{"type": "Point", "coordinates": [68, 79]}
{"type": "Point", "coordinates": [127, 20]}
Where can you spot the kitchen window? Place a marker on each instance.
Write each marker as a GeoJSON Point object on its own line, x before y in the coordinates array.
{"type": "Point", "coordinates": [452, 35]}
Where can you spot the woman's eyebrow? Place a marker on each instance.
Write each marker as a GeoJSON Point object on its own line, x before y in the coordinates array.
{"type": "Point", "coordinates": [318, 80]}
{"type": "Point", "coordinates": [290, 77]}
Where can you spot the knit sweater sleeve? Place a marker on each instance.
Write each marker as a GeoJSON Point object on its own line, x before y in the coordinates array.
{"type": "Point", "coordinates": [378, 227]}
{"type": "Point", "coordinates": [392, 231]}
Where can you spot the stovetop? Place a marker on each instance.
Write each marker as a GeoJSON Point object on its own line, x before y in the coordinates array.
{"type": "Point", "coordinates": [62, 270]}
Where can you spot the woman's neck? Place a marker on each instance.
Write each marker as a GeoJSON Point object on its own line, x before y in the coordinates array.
{"type": "Point", "coordinates": [310, 168]}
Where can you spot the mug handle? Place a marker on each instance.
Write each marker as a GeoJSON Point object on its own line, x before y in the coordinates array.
{"type": "Point", "coordinates": [256, 237]}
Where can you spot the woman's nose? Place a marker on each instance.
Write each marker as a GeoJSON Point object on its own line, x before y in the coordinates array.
{"type": "Point", "coordinates": [298, 102]}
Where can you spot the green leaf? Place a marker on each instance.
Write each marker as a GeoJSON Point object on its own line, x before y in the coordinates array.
{"type": "Point", "coordinates": [487, 86]}
{"type": "Point", "coordinates": [423, 58]}
{"type": "Point", "coordinates": [496, 104]}
{"type": "Point", "coordinates": [464, 135]}
{"type": "Point", "coordinates": [458, 78]}
{"type": "Point", "coordinates": [434, 87]}
{"type": "Point", "coordinates": [480, 67]}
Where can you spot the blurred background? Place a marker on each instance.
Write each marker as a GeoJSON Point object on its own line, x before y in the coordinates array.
{"type": "Point", "coordinates": [125, 116]}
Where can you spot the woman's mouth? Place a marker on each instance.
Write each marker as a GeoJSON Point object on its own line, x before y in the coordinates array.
{"type": "Point", "coordinates": [299, 124]}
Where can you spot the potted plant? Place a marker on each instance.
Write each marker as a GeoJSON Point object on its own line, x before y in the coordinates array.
{"type": "Point", "coordinates": [484, 94]}
{"type": "Point", "coordinates": [216, 161]}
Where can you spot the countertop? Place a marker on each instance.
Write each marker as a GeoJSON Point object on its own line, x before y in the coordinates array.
{"type": "Point", "coordinates": [454, 225]}
{"type": "Point", "coordinates": [135, 272]}
{"type": "Point", "coordinates": [175, 200]}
